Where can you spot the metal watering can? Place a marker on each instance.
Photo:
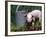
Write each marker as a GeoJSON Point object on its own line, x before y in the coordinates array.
{"type": "Point", "coordinates": [20, 19]}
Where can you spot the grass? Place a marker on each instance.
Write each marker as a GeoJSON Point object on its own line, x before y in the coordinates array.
{"type": "Point", "coordinates": [36, 26]}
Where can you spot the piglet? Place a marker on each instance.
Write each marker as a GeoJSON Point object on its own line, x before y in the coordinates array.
{"type": "Point", "coordinates": [34, 14]}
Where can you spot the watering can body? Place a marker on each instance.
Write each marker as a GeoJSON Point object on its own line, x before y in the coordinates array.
{"type": "Point", "coordinates": [20, 19]}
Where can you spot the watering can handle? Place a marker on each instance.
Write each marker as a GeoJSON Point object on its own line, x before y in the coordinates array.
{"type": "Point", "coordinates": [17, 8]}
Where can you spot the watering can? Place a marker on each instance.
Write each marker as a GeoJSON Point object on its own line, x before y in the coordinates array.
{"type": "Point", "coordinates": [20, 19]}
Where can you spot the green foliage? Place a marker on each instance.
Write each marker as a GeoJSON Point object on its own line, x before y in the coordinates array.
{"type": "Point", "coordinates": [29, 8]}
{"type": "Point", "coordinates": [13, 10]}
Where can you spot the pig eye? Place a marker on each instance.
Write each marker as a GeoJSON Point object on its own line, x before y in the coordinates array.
{"type": "Point", "coordinates": [32, 16]}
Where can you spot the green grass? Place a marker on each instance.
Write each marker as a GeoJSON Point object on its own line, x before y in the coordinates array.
{"type": "Point", "coordinates": [36, 25]}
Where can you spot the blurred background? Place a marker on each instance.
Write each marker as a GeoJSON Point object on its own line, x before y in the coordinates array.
{"type": "Point", "coordinates": [18, 21]}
